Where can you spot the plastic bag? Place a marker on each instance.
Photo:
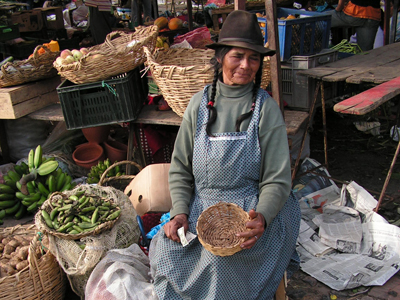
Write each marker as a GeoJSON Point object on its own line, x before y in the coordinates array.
{"type": "Point", "coordinates": [121, 275]}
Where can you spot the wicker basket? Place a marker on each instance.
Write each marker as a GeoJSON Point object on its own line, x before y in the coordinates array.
{"type": "Point", "coordinates": [121, 52]}
{"type": "Point", "coordinates": [43, 278]}
{"type": "Point", "coordinates": [119, 182]}
{"type": "Point", "coordinates": [217, 227]}
{"type": "Point", "coordinates": [48, 207]}
{"type": "Point", "coordinates": [39, 66]}
{"type": "Point", "coordinates": [180, 73]}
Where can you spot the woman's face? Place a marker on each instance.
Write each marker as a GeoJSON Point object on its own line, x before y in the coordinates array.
{"type": "Point", "coordinates": [239, 66]}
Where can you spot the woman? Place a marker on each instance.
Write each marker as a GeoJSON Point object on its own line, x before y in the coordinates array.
{"type": "Point", "coordinates": [232, 146]}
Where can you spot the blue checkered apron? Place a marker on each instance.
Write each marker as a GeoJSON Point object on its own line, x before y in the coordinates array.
{"type": "Point", "coordinates": [227, 168]}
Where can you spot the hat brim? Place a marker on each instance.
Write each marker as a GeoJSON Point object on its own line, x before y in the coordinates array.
{"type": "Point", "coordinates": [258, 48]}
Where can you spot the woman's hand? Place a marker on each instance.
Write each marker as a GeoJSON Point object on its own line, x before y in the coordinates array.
{"type": "Point", "coordinates": [172, 227]}
{"type": "Point", "coordinates": [256, 226]}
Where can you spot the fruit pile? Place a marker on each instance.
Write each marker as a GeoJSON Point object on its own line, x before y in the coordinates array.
{"type": "Point", "coordinates": [70, 56]}
{"type": "Point", "coordinates": [97, 171]}
{"type": "Point", "coordinates": [28, 186]}
{"type": "Point", "coordinates": [79, 212]}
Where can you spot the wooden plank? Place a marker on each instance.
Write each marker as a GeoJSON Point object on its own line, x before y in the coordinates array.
{"type": "Point", "coordinates": [357, 64]}
{"type": "Point", "coordinates": [20, 93]}
{"type": "Point", "coordinates": [150, 115]}
{"type": "Point", "coordinates": [294, 120]}
{"type": "Point", "coordinates": [370, 99]}
{"type": "Point", "coordinates": [52, 112]}
{"type": "Point", "coordinates": [377, 75]}
{"type": "Point", "coordinates": [29, 106]}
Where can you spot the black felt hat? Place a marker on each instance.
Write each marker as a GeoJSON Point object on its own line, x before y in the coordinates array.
{"type": "Point", "coordinates": [241, 29]}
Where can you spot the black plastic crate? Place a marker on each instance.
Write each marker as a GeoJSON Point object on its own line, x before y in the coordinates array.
{"type": "Point", "coordinates": [115, 100]}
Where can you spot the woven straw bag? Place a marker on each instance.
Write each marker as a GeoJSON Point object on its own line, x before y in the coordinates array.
{"type": "Point", "coordinates": [48, 206]}
{"type": "Point", "coordinates": [39, 66]}
{"type": "Point", "coordinates": [217, 227]}
{"type": "Point", "coordinates": [43, 278]}
{"type": "Point", "coordinates": [121, 52]}
{"type": "Point", "coordinates": [180, 73]}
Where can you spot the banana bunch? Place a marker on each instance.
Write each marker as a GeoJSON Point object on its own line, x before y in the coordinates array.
{"type": "Point", "coordinates": [162, 42]}
{"type": "Point", "coordinates": [97, 171]}
{"type": "Point", "coordinates": [27, 186]}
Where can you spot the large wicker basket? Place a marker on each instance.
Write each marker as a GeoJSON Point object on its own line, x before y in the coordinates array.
{"type": "Point", "coordinates": [121, 52]}
{"type": "Point", "coordinates": [180, 73]}
{"type": "Point", "coordinates": [217, 227]}
{"type": "Point", "coordinates": [39, 66]}
{"type": "Point", "coordinates": [118, 182]}
{"type": "Point", "coordinates": [43, 278]}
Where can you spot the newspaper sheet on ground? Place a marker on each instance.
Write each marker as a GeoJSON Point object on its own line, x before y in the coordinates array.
{"type": "Point", "coordinates": [344, 222]}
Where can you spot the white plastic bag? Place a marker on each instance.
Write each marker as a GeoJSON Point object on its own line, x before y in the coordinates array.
{"type": "Point", "coordinates": [123, 274]}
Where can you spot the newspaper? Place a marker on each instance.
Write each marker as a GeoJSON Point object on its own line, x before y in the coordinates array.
{"type": "Point", "coordinates": [342, 242]}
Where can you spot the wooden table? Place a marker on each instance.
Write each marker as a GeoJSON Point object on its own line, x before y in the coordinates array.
{"type": "Point", "coordinates": [150, 115]}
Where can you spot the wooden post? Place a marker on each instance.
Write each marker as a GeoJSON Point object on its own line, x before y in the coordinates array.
{"type": "Point", "coordinates": [273, 41]}
{"type": "Point", "coordinates": [190, 14]}
{"type": "Point", "coordinates": [240, 5]}
{"type": "Point", "coordinates": [386, 23]}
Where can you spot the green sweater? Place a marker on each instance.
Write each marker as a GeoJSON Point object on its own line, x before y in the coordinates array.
{"type": "Point", "coordinates": [231, 102]}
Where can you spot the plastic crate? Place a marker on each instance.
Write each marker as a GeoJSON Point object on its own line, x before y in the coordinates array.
{"type": "Point", "coordinates": [115, 100]}
{"type": "Point", "coordinates": [298, 90]}
{"type": "Point", "coordinates": [306, 35]}
{"type": "Point", "coordinates": [9, 32]}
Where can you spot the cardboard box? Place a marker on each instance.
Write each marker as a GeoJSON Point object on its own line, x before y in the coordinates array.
{"type": "Point", "coordinates": [149, 190]}
{"type": "Point", "coordinates": [21, 100]}
{"type": "Point", "coordinates": [52, 17]}
{"type": "Point", "coordinates": [28, 20]}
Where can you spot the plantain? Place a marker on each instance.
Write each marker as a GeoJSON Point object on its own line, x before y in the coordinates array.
{"type": "Point", "coordinates": [31, 157]}
{"type": "Point", "coordinates": [6, 196]}
{"type": "Point", "coordinates": [4, 188]}
{"type": "Point", "coordinates": [47, 168]}
{"type": "Point", "coordinates": [19, 170]}
{"type": "Point", "coordinates": [24, 167]}
{"type": "Point", "coordinates": [43, 190]}
{"type": "Point", "coordinates": [60, 181]}
{"type": "Point", "coordinates": [52, 183]}
{"type": "Point", "coordinates": [37, 160]}
{"type": "Point", "coordinates": [14, 175]}
{"type": "Point", "coordinates": [13, 209]}
{"type": "Point", "coordinates": [21, 212]}
{"type": "Point", "coordinates": [7, 203]}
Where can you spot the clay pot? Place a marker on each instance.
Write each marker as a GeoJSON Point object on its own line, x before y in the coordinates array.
{"type": "Point", "coordinates": [88, 155]}
{"type": "Point", "coordinates": [97, 134]}
{"type": "Point", "coordinates": [115, 151]}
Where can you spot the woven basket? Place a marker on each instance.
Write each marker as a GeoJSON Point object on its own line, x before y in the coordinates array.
{"type": "Point", "coordinates": [121, 52]}
{"type": "Point", "coordinates": [180, 73]}
{"type": "Point", "coordinates": [119, 182]}
{"type": "Point", "coordinates": [48, 207]}
{"type": "Point", "coordinates": [43, 278]}
{"type": "Point", "coordinates": [217, 227]}
{"type": "Point", "coordinates": [39, 66]}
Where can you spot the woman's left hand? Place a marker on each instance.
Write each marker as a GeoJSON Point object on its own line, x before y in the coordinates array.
{"type": "Point", "coordinates": [256, 226]}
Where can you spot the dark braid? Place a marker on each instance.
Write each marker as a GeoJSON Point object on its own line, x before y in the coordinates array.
{"type": "Point", "coordinates": [257, 83]}
{"type": "Point", "coordinates": [219, 54]}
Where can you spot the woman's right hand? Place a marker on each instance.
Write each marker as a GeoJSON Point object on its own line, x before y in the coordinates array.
{"type": "Point", "coordinates": [171, 228]}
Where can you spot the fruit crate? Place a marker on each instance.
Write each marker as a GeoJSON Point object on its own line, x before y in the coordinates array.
{"type": "Point", "coordinates": [306, 35]}
{"type": "Point", "coordinates": [298, 90]}
{"type": "Point", "coordinates": [114, 100]}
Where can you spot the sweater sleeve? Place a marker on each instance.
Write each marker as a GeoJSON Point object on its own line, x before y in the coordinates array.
{"type": "Point", "coordinates": [275, 176]}
{"type": "Point", "coordinates": [180, 174]}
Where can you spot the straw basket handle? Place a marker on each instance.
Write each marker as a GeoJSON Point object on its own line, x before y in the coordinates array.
{"type": "Point", "coordinates": [103, 178]}
{"type": "Point", "coordinates": [33, 262]}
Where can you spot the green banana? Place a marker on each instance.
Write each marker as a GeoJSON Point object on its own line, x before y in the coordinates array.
{"type": "Point", "coordinates": [18, 185]}
{"type": "Point", "coordinates": [2, 214]}
{"type": "Point", "coordinates": [60, 181]}
{"type": "Point", "coordinates": [47, 168]}
{"type": "Point", "coordinates": [14, 175]}
{"type": "Point", "coordinates": [9, 182]}
{"type": "Point", "coordinates": [7, 203]}
{"type": "Point", "coordinates": [52, 183]}
{"type": "Point", "coordinates": [20, 195]}
{"type": "Point", "coordinates": [30, 187]}
{"type": "Point", "coordinates": [36, 197]}
{"type": "Point", "coordinates": [20, 213]}
{"type": "Point", "coordinates": [7, 196]}
{"type": "Point", "coordinates": [19, 170]}
{"type": "Point", "coordinates": [32, 207]}
{"type": "Point", "coordinates": [37, 160]}
{"type": "Point", "coordinates": [24, 167]}
{"type": "Point", "coordinates": [31, 157]}
{"type": "Point", "coordinates": [4, 188]}
{"type": "Point", "coordinates": [13, 209]}
{"type": "Point", "coordinates": [45, 192]}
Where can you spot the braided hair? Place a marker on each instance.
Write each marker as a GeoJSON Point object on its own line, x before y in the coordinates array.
{"type": "Point", "coordinates": [215, 61]}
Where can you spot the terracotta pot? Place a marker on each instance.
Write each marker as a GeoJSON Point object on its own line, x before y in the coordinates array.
{"type": "Point", "coordinates": [115, 151]}
{"type": "Point", "coordinates": [97, 134]}
{"type": "Point", "coordinates": [88, 155]}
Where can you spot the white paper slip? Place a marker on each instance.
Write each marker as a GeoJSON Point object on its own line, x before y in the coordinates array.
{"type": "Point", "coordinates": [185, 239]}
